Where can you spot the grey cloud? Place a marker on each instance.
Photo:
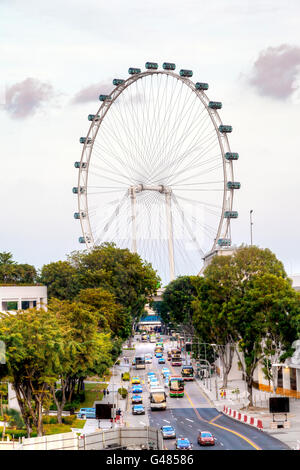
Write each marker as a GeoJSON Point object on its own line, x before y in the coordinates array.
{"type": "Point", "coordinates": [92, 92]}
{"type": "Point", "coordinates": [24, 98]}
{"type": "Point", "coordinates": [275, 71]}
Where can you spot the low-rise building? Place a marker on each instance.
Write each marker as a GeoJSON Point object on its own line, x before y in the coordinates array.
{"type": "Point", "coordinates": [13, 298]}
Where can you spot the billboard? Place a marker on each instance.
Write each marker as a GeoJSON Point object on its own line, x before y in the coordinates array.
{"type": "Point", "coordinates": [279, 405]}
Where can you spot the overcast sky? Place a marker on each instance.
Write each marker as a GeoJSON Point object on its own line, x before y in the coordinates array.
{"type": "Point", "coordinates": [58, 56]}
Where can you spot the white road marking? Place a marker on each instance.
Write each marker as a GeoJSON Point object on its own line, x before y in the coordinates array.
{"type": "Point", "coordinates": [166, 421]}
{"type": "Point", "coordinates": [189, 420]}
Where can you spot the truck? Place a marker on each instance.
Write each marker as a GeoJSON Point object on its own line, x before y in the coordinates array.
{"type": "Point", "coordinates": [158, 398]}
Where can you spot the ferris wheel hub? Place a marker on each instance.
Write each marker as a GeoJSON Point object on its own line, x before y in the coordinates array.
{"type": "Point", "coordinates": [145, 187]}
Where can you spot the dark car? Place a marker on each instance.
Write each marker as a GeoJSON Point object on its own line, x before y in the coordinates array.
{"type": "Point", "coordinates": [206, 438]}
{"type": "Point", "coordinates": [138, 410]}
{"type": "Point", "coordinates": [183, 443]}
{"type": "Point", "coordinates": [136, 399]}
{"type": "Point", "coordinates": [168, 432]}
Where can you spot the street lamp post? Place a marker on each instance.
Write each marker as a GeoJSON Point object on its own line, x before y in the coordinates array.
{"type": "Point", "coordinates": [251, 224]}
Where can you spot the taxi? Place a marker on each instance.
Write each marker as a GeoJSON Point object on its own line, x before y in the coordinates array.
{"type": "Point", "coordinates": [135, 380]}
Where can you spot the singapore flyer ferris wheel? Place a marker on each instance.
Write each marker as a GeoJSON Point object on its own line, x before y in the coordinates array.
{"type": "Point", "coordinates": [156, 171]}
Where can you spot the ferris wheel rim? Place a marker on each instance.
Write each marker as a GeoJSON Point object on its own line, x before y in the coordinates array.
{"type": "Point", "coordinates": [87, 152]}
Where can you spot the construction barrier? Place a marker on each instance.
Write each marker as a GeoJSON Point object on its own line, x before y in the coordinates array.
{"type": "Point", "coordinates": [243, 418]}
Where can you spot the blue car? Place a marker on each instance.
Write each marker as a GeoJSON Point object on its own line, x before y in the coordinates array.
{"type": "Point", "coordinates": [183, 443]}
{"type": "Point", "coordinates": [168, 432]}
{"type": "Point", "coordinates": [138, 410]}
{"type": "Point", "coordinates": [136, 399]}
{"type": "Point", "coordinates": [137, 389]}
{"type": "Point", "coordinates": [87, 413]}
{"type": "Point", "coordinates": [158, 355]}
{"type": "Point", "coordinates": [151, 373]}
{"type": "Point", "coordinates": [161, 360]}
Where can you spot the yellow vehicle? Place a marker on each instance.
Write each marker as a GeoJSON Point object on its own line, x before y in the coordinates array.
{"type": "Point", "coordinates": [135, 380]}
{"type": "Point", "coordinates": [158, 349]}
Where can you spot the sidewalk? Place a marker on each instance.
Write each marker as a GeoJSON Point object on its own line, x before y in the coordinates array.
{"type": "Point", "coordinates": [114, 397]}
{"type": "Point", "coordinates": [290, 436]}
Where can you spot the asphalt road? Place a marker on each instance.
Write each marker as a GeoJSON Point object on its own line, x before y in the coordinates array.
{"type": "Point", "coordinates": [194, 412]}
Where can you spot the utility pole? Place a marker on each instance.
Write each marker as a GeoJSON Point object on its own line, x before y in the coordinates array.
{"type": "Point", "coordinates": [251, 224]}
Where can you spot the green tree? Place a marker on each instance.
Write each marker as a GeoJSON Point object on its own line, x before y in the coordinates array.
{"type": "Point", "coordinates": [265, 324]}
{"type": "Point", "coordinates": [218, 309]}
{"type": "Point", "coordinates": [6, 258]}
{"type": "Point", "coordinates": [212, 311]}
{"type": "Point", "coordinates": [33, 340]}
{"type": "Point", "coordinates": [61, 279]}
{"type": "Point", "coordinates": [85, 349]}
{"type": "Point", "coordinates": [119, 271]}
{"type": "Point", "coordinates": [112, 315]}
{"type": "Point", "coordinates": [178, 298]}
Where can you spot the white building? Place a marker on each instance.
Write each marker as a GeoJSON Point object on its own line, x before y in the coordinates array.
{"type": "Point", "coordinates": [22, 297]}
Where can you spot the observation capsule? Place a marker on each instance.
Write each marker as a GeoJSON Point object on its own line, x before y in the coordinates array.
{"type": "Point", "coordinates": [133, 71]}
{"type": "Point", "coordinates": [104, 97]}
{"type": "Point", "coordinates": [225, 129]}
{"type": "Point", "coordinates": [81, 240]}
{"type": "Point", "coordinates": [118, 81]}
{"type": "Point", "coordinates": [233, 185]}
{"type": "Point", "coordinates": [151, 65]}
{"type": "Point", "coordinates": [186, 73]}
{"type": "Point", "coordinates": [86, 140]}
{"type": "Point", "coordinates": [215, 105]}
{"type": "Point", "coordinates": [169, 66]}
{"type": "Point", "coordinates": [80, 165]}
{"type": "Point", "coordinates": [231, 214]}
{"type": "Point", "coordinates": [77, 215]}
{"type": "Point", "coordinates": [75, 190]}
{"type": "Point", "coordinates": [224, 242]}
{"type": "Point", "coordinates": [231, 156]}
{"type": "Point", "coordinates": [201, 86]}
{"type": "Point", "coordinates": [91, 117]}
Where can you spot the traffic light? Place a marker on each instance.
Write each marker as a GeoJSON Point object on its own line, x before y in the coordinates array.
{"type": "Point", "coordinates": [188, 347]}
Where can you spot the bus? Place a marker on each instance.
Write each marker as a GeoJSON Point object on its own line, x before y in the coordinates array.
{"type": "Point", "coordinates": [176, 357]}
{"type": "Point", "coordinates": [187, 372]}
{"type": "Point", "coordinates": [139, 362]}
{"type": "Point", "coordinates": [176, 386]}
{"type": "Point", "coordinates": [158, 399]}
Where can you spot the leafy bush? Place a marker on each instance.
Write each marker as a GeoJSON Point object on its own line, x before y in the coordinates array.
{"type": "Point", "coordinates": [123, 392]}
{"type": "Point", "coordinates": [15, 418]}
{"type": "Point", "coordinates": [69, 419]}
{"type": "Point", "coordinates": [17, 433]}
{"type": "Point", "coordinates": [49, 419]}
{"type": "Point", "coordinates": [126, 376]}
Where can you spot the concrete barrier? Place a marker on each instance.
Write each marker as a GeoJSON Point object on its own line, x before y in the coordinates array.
{"type": "Point", "coordinates": [122, 437]}
{"type": "Point", "coordinates": [243, 418]}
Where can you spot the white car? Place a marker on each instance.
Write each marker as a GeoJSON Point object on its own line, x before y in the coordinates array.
{"type": "Point", "coordinates": [165, 371]}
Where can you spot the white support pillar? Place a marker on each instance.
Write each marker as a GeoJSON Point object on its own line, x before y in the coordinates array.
{"type": "Point", "coordinates": [133, 217]}
{"type": "Point", "coordinates": [170, 234]}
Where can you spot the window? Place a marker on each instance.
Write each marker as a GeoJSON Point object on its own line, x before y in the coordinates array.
{"type": "Point", "coordinates": [293, 378]}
